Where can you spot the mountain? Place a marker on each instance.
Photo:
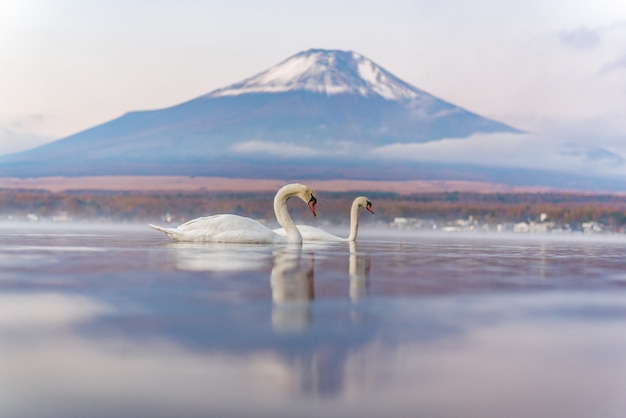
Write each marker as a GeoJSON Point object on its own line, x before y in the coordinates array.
{"type": "Point", "coordinates": [316, 114]}
{"type": "Point", "coordinates": [320, 114]}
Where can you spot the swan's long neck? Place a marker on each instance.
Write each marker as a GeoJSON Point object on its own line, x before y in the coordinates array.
{"type": "Point", "coordinates": [354, 221]}
{"type": "Point", "coordinates": [282, 214]}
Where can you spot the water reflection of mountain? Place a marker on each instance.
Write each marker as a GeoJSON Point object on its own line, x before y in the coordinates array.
{"type": "Point", "coordinates": [204, 309]}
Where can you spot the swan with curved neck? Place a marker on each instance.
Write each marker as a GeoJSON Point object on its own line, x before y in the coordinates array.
{"type": "Point", "coordinates": [310, 233]}
{"type": "Point", "coordinates": [239, 229]}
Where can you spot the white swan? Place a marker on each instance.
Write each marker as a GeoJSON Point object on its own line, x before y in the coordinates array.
{"type": "Point", "coordinates": [238, 229]}
{"type": "Point", "coordinates": [311, 233]}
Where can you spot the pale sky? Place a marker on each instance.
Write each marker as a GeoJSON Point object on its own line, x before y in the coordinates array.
{"type": "Point", "coordinates": [555, 68]}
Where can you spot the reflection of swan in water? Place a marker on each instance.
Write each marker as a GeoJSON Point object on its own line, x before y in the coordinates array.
{"type": "Point", "coordinates": [310, 233]}
{"type": "Point", "coordinates": [292, 289]}
{"type": "Point", "coordinates": [359, 271]}
{"type": "Point", "coordinates": [320, 367]}
{"type": "Point", "coordinates": [216, 257]}
{"type": "Point", "coordinates": [239, 229]}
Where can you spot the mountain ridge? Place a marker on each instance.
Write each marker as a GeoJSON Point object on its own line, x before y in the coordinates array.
{"type": "Point", "coordinates": [326, 111]}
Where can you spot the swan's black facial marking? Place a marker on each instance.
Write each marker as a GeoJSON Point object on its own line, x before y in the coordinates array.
{"type": "Point", "coordinates": [312, 203]}
{"type": "Point", "coordinates": [368, 206]}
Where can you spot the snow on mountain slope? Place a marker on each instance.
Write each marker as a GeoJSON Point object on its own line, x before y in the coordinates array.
{"type": "Point", "coordinates": [329, 72]}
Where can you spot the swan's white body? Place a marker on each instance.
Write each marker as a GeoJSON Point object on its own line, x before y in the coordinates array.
{"type": "Point", "coordinates": [311, 233]}
{"type": "Point", "coordinates": [239, 229]}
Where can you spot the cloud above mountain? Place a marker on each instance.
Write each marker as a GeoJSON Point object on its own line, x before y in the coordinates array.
{"type": "Point", "coordinates": [581, 37]}
{"type": "Point", "coordinates": [282, 149]}
{"type": "Point", "coordinates": [532, 151]}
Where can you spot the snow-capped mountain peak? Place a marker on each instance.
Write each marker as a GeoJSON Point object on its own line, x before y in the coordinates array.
{"type": "Point", "coordinates": [328, 72]}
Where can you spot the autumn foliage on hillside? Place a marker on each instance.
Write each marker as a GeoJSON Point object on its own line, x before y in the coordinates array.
{"type": "Point", "coordinates": [491, 208]}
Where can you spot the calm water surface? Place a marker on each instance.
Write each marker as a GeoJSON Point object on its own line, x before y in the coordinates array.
{"type": "Point", "coordinates": [113, 321]}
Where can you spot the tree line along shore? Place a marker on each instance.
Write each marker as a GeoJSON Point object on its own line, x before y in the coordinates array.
{"type": "Point", "coordinates": [176, 207]}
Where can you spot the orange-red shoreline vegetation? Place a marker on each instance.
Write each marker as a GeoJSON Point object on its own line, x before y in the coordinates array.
{"type": "Point", "coordinates": [153, 198]}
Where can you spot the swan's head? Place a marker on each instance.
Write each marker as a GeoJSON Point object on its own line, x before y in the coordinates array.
{"type": "Point", "coordinates": [363, 202]}
{"type": "Point", "coordinates": [308, 195]}
{"type": "Point", "coordinates": [304, 192]}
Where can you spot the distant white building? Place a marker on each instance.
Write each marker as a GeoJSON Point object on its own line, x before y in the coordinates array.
{"type": "Point", "coordinates": [591, 227]}
{"type": "Point", "coordinates": [405, 223]}
{"type": "Point", "coordinates": [542, 227]}
{"type": "Point", "coordinates": [61, 217]}
{"type": "Point", "coordinates": [521, 227]}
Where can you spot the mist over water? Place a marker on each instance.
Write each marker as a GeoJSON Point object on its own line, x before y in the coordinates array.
{"type": "Point", "coordinates": [118, 320]}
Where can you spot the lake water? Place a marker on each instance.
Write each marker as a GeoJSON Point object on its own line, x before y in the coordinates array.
{"type": "Point", "coordinates": [113, 321]}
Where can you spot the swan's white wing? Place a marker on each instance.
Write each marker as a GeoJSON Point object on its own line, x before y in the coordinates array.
{"type": "Point", "coordinates": [237, 229]}
{"type": "Point", "coordinates": [311, 233]}
{"type": "Point", "coordinates": [223, 228]}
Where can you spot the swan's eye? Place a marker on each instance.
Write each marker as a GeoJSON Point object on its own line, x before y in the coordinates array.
{"type": "Point", "coordinates": [313, 200]}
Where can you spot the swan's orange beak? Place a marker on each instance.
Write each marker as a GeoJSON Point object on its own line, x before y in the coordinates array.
{"type": "Point", "coordinates": [369, 207]}
{"type": "Point", "coordinates": [312, 203]}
